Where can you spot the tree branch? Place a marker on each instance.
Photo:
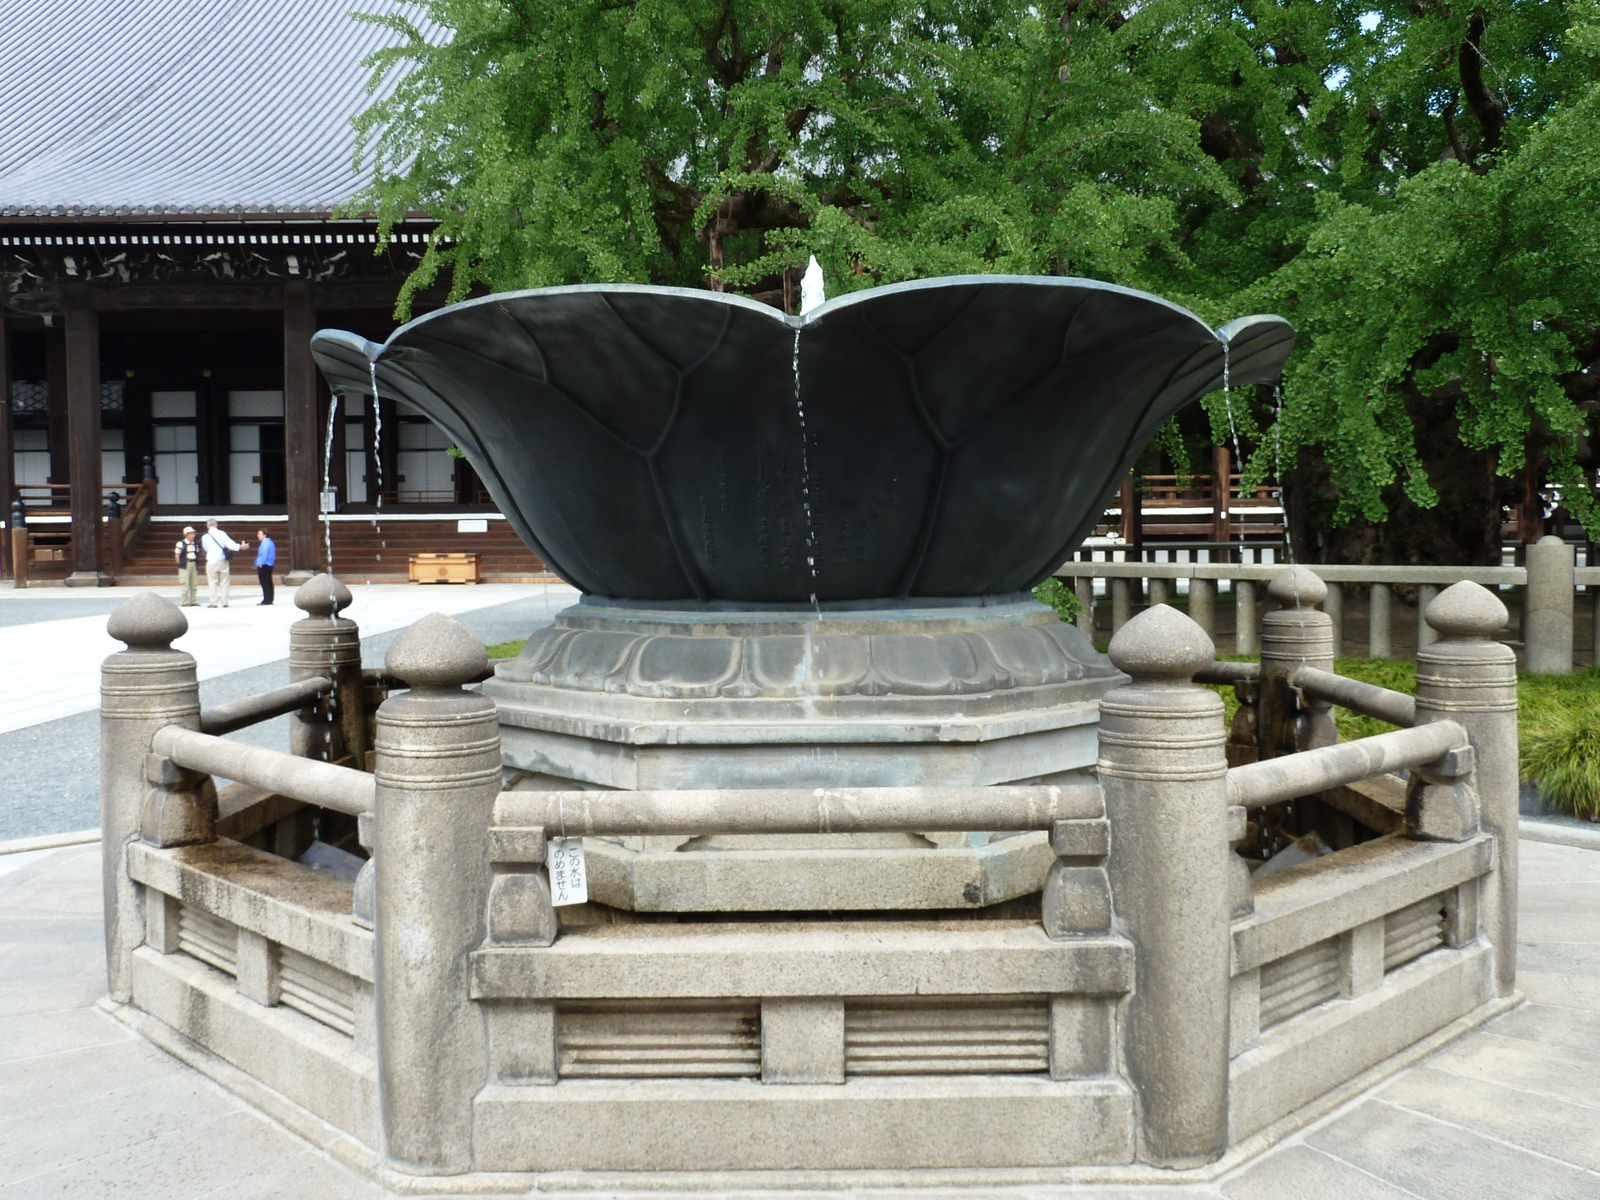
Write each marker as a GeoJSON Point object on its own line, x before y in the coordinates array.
{"type": "Point", "coordinates": [1481, 102]}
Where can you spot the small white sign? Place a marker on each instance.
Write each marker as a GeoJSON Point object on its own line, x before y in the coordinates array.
{"type": "Point", "coordinates": [569, 878]}
{"type": "Point", "coordinates": [472, 525]}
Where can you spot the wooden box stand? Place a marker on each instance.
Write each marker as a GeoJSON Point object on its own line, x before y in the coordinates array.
{"type": "Point", "coordinates": [444, 568]}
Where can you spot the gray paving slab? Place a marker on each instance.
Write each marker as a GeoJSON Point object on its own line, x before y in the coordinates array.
{"type": "Point", "coordinates": [1551, 1027]}
{"type": "Point", "coordinates": [31, 1035]}
{"type": "Point", "coordinates": [1564, 991]}
{"type": "Point", "coordinates": [1436, 1160]}
{"type": "Point", "coordinates": [1555, 1128]}
{"type": "Point", "coordinates": [1301, 1173]}
{"type": "Point", "coordinates": [1557, 1071]}
{"type": "Point", "coordinates": [236, 1153]}
{"type": "Point", "coordinates": [31, 1141]}
{"type": "Point", "coordinates": [15, 610]}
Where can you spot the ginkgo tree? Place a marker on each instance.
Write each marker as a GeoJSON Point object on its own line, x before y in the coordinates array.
{"type": "Point", "coordinates": [1415, 185]}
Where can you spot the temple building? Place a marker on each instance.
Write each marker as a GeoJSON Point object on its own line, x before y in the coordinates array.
{"type": "Point", "coordinates": [168, 244]}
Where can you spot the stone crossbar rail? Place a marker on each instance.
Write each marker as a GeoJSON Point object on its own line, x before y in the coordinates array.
{"type": "Point", "coordinates": [1310, 771]}
{"type": "Point", "coordinates": [339, 788]}
{"type": "Point", "coordinates": [1368, 699]}
{"type": "Point", "coordinates": [809, 810]}
{"type": "Point", "coordinates": [252, 710]}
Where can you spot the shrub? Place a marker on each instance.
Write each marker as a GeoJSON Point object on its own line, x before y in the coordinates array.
{"type": "Point", "coordinates": [1561, 753]}
{"type": "Point", "coordinates": [1059, 597]}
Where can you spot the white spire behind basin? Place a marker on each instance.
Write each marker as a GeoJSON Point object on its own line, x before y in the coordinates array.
{"type": "Point", "coordinates": [812, 293]}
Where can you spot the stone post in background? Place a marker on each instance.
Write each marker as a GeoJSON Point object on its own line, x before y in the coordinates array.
{"type": "Point", "coordinates": [142, 689]}
{"type": "Point", "coordinates": [1547, 604]}
{"type": "Point", "coordinates": [1468, 678]}
{"type": "Point", "coordinates": [1162, 769]}
{"type": "Point", "coordinates": [1294, 636]}
{"type": "Point", "coordinates": [438, 773]}
{"type": "Point", "coordinates": [1083, 588]}
{"type": "Point", "coordinates": [1203, 605]}
{"type": "Point", "coordinates": [324, 643]}
{"type": "Point", "coordinates": [1246, 638]}
{"type": "Point", "coordinates": [1380, 643]}
{"type": "Point", "coordinates": [1333, 605]}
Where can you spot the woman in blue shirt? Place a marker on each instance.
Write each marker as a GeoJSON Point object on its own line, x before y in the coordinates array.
{"type": "Point", "coordinates": [266, 559]}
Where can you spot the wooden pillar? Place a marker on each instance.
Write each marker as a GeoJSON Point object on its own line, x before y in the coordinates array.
{"type": "Point", "coordinates": [55, 386]}
{"type": "Point", "coordinates": [83, 437]}
{"type": "Point", "coordinates": [301, 438]}
{"type": "Point", "coordinates": [1221, 481]}
{"type": "Point", "coordinates": [7, 456]}
{"type": "Point", "coordinates": [1132, 517]}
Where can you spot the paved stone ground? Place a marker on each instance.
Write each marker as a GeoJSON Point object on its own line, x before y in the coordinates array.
{"type": "Point", "coordinates": [49, 768]}
{"type": "Point", "coordinates": [88, 1109]}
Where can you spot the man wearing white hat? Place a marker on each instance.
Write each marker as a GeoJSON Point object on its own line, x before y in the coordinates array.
{"type": "Point", "coordinates": [187, 554]}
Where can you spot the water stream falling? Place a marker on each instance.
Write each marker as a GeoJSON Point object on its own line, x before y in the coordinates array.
{"type": "Point", "coordinates": [377, 458]}
{"type": "Point", "coordinates": [1277, 467]}
{"type": "Point", "coordinates": [805, 477]}
{"type": "Point", "coordinates": [1227, 403]}
{"type": "Point", "coordinates": [327, 475]}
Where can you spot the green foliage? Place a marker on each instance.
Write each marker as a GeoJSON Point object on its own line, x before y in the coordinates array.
{"type": "Point", "coordinates": [506, 649]}
{"type": "Point", "coordinates": [1416, 186]}
{"type": "Point", "coordinates": [1059, 597]}
{"type": "Point", "coordinates": [1562, 755]}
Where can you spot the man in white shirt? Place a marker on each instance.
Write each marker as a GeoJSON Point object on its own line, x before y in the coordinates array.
{"type": "Point", "coordinates": [217, 546]}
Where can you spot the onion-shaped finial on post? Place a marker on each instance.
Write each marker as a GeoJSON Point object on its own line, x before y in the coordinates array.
{"type": "Point", "coordinates": [1466, 611]}
{"type": "Point", "coordinates": [147, 622]}
{"type": "Point", "coordinates": [437, 651]}
{"type": "Point", "coordinates": [1298, 587]}
{"type": "Point", "coordinates": [322, 596]}
{"type": "Point", "coordinates": [1162, 644]}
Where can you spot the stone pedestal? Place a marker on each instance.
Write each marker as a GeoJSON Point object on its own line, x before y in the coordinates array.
{"type": "Point", "coordinates": [963, 692]}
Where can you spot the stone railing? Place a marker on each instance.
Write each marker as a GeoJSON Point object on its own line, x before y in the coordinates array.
{"type": "Point", "coordinates": [1550, 603]}
{"type": "Point", "coordinates": [1169, 997]}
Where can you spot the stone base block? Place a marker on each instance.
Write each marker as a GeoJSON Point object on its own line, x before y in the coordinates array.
{"type": "Point", "coordinates": [88, 579]}
{"type": "Point", "coordinates": [305, 1061]}
{"type": "Point", "coordinates": [891, 1122]}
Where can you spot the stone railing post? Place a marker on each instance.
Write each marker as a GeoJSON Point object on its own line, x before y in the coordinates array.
{"type": "Point", "coordinates": [1162, 770]}
{"type": "Point", "coordinates": [438, 773]}
{"type": "Point", "coordinates": [142, 689]}
{"type": "Point", "coordinates": [1380, 642]}
{"type": "Point", "coordinates": [1294, 636]}
{"type": "Point", "coordinates": [1121, 601]}
{"type": "Point", "coordinates": [1547, 604]}
{"type": "Point", "coordinates": [324, 643]}
{"type": "Point", "coordinates": [1246, 638]}
{"type": "Point", "coordinates": [1203, 605]}
{"type": "Point", "coordinates": [1333, 605]}
{"type": "Point", "coordinates": [1467, 678]}
{"type": "Point", "coordinates": [1083, 588]}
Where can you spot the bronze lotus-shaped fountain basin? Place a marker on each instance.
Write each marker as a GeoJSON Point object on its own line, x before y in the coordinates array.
{"type": "Point", "coordinates": [942, 438]}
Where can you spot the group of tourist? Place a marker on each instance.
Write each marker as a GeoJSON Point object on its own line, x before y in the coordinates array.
{"type": "Point", "coordinates": [218, 549]}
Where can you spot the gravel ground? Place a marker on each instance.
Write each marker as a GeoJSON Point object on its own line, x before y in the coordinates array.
{"type": "Point", "coordinates": [50, 773]}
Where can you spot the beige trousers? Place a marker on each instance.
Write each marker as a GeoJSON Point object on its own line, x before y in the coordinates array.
{"type": "Point", "coordinates": [218, 571]}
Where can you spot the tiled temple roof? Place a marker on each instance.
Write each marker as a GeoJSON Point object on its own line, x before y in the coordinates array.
{"type": "Point", "coordinates": [117, 108]}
